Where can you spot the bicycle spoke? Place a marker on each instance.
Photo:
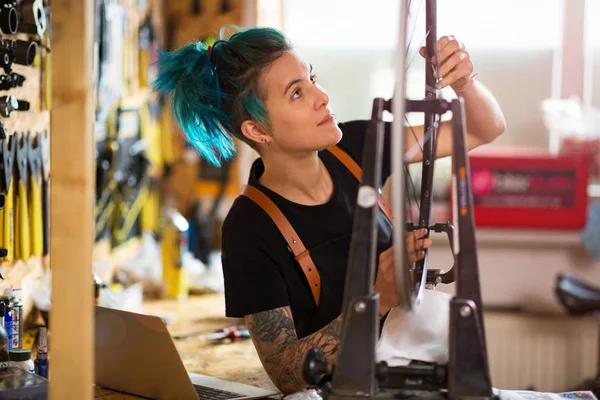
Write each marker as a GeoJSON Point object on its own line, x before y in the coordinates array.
{"type": "Point", "coordinates": [417, 53]}
{"type": "Point", "coordinates": [412, 33]}
{"type": "Point", "coordinates": [410, 211]}
{"type": "Point", "coordinates": [410, 154]}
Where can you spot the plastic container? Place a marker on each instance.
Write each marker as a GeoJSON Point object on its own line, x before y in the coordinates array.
{"type": "Point", "coordinates": [6, 315]}
{"type": "Point", "coordinates": [41, 360]}
{"type": "Point", "coordinates": [4, 345]}
{"type": "Point", "coordinates": [16, 308]}
{"type": "Point", "coordinates": [574, 131]}
{"type": "Point", "coordinates": [21, 358]}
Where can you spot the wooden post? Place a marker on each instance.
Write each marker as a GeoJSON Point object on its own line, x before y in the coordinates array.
{"type": "Point", "coordinates": [71, 201]}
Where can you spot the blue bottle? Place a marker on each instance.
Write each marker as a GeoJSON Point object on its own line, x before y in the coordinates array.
{"type": "Point", "coordinates": [8, 321]}
{"type": "Point", "coordinates": [4, 342]}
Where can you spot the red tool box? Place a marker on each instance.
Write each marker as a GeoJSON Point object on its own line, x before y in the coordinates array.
{"type": "Point", "coordinates": [528, 188]}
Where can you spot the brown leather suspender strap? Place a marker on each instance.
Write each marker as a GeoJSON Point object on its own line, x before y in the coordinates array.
{"type": "Point", "coordinates": [356, 170]}
{"type": "Point", "coordinates": [301, 254]}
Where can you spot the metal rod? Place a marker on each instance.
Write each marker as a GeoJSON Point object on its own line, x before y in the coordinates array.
{"type": "Point", "coordinates": [430, 145]}
{"type": "Point", "coordinates": [403, 281]}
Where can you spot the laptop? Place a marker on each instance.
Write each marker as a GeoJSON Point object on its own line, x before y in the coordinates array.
{"type": "Point", "coordinates": [134, 353]}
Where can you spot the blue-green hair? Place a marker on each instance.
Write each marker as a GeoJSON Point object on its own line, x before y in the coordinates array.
{"type": "Point", "coordinates": [213, 95]}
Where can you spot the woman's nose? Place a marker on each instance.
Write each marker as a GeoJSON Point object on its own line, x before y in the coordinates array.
{"type": "Point", "coordinates": [322, 98]}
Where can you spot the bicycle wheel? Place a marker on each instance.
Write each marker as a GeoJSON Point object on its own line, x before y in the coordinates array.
{"type": "Point", "coordinates": [411, 278]}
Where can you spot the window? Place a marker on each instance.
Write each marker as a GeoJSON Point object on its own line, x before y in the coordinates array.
{"type": "Point", "coordinates": [593, 47]}
{"type": "Point", "coordinates": [352, 44]}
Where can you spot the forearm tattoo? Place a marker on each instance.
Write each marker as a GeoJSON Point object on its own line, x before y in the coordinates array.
{"type": "Point", "coordinates": [281, 351]}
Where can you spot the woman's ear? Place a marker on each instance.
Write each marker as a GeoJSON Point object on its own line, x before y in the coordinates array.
{"type": "Point", "coordinates": [255, 132]}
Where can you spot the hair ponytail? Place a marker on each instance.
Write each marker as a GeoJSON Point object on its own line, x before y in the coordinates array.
{"type": "Point", "coordinates": [212, 96]}
{"type": "Point", "coordinates": [197, 100]}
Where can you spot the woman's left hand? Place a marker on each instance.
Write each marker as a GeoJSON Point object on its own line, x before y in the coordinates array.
{"type": "Point", "coordinates": [455, 63]}
{"type": "Point", "coordinates": [385, 285]}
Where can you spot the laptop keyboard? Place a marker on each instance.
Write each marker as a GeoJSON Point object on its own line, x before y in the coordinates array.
{"type": "Point", "coordinates": [206, 393]}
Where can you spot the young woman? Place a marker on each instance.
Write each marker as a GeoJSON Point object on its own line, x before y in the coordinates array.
{"type": "Point", "coordinates": [253, 87]}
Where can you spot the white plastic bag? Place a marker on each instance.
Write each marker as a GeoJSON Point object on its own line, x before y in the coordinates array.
{"type": "Point", "coordinates": [310, 394]}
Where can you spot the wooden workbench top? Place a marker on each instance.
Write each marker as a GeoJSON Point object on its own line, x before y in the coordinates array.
{"type": "Point", "coordinates": [236, 361]}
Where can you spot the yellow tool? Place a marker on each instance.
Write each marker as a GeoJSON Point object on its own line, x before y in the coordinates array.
{"type": "Point", "coordinates": [150, 209]}
{"type": "Point", "coordinates": [174, 232]}
{"type": "Point", "coordinates": [130, 213]}
{"type": "Point", "coordinates": [8, 154]}
{"type": "Point", "coordinates": [22, 235]}
{"type": "Point", "coordinates": [106, 190]}
{"type": "Point", "coordinates": [46, 74]}
{"type": "Point", "coordinates": [36, 227]}
{"type": "Point", "coordinates": [45, 139]}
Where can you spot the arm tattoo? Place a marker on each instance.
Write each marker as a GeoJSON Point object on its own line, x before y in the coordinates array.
{"type": "Point", "coordinates": [281, 351]}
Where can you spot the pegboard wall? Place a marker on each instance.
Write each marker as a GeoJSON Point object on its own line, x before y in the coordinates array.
{"type": "Point", "coordinates": [128, 130]}
{"type": "Point", "coordinates": [22, 218]}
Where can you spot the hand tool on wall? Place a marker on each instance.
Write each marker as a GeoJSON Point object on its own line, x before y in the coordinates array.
{"type": "Point", "coordinates": [134, 193]}
{"type": "Point", "coordinates": [45, 140]}
{"type": "Point", "coordinates": [106, 189]}
{"type": "Point", "coordinates": [3, 250]}
{"type": "Point", "coordinates": [8, 104]}
{"type": "Point", "coordinates": [32, 17]}
{"type": "Point", "coordinates": [45, 65]}
{"type": "Point", "coordinates": [11, 81]}
{"type": "Point", "coordinates": [8, 149]}
{"type": "Point", "coordinates": [20, 52]}
{"type": "Point", "coordinates": [9, 17]}
{"type": "Point", "coordinates": [22, 235]}
{"type": "Point", "coordinates": [174, 231]}
{"type": "Point", "coordinates": [36, 228]}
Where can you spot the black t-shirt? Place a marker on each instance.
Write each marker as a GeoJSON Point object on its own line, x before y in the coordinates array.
{"type": "Point", "coordinates": [260, 272]}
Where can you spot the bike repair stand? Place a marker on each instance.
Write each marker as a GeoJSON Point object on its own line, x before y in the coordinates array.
{"type": "Point", "coordinates": [356, 373]}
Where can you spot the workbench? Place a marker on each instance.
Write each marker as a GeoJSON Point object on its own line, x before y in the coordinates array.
{"type": "Point", "coordinates": [237, 361]}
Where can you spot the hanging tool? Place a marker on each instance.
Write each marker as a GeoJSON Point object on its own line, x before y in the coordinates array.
{"type": "Point", "coordinates": [174, 243]}
{"type": "Point", "coordinates": [45, 66]}
{"type": "Point", "coordinates": [32, 17]}
{"type": "Point", "coordinates": [8, 104]}
{"type": "Point", "coordinates": [9, 17]}
{"type": "Point", "coordinates": [45, 139]}
{"type": "Point", "coordinates": [106, 189]}
{"type": "Point", "coordinates": [11, 81]}
{"type": "Point", "coordinates": [146, 37]}
{"type": "Point", "coordinates": [20, 52]}
{"type": "Point", "coordinates": [34, 158]}
{"type": "Point", "coordinates": [134, 194]}
{"type": "Point", "coordinates": [3, 250]}
{"type": "Point", "coordinates": [7, 155]}
{"type": "Point", "coordinates": [151, 133]}
{"type": "Point", "coordinates": [22, 235]}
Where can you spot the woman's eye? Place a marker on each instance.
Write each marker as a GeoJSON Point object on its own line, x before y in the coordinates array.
{"type": "Point", "coordinates": [296, 94]}
{"type": "Point", "coordinates": [313, 78]}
